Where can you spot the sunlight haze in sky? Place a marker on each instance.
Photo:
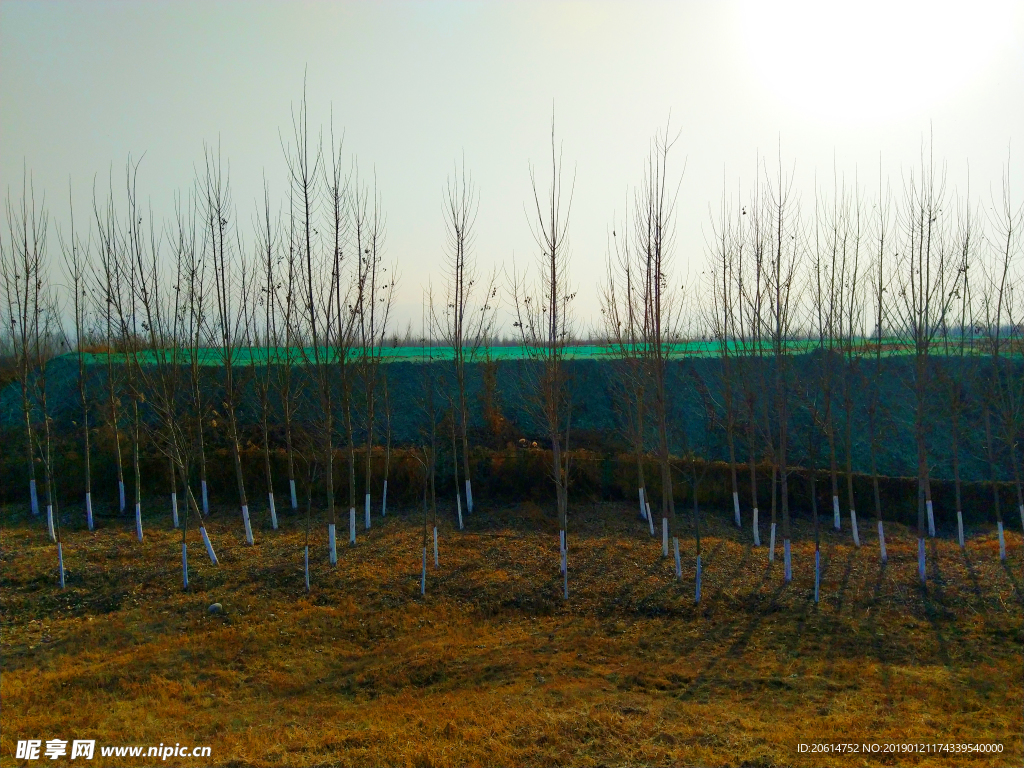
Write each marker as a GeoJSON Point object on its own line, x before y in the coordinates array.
{"type": "Point", "coordinates": [416, 86]}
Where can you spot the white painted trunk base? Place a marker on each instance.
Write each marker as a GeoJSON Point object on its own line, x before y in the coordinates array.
{"type": "Point", "coordinates": [561, 548]}
{"type": "Point", "coordinates": [352, 526]}
{"type": "Point", "coordinates": [174, 508]}
{"type": "Point", "coordinates": [960, 528]}
{"type": "Point", "coordinates": [138, 520]}
{"type": "Point", "coordinates": [384, 501]}
{"type": "Point", "coordinates": [565, 574]}
{"type": "Point", "coordinates": [1002, 541]}
{"type": "Point", "coordinates": [184, 565]}
{"type": "Point", "coordinates": [931, 518]}
{"type": "Point", "coordinates": [295, 499]}
{"type": "Point", "coordinates": [248, 526]}
{"type": "Point", "coordinates": [206, 498]}
{"type": "Point", "coordinates": [60, 563]}
{"type": "Point", "coordinates": [757, 530]}
{"type": "Point", "coordinates": [853, 527]}
{"type": "Point", "coordinates": [49, 522]}
{"type": "Point", "coordinates": [366, 509]}
{"type": "Point", "coordinates": [273, 510]}
{"type": "Point", "coordinates": [679, 566]}
{"type": "Point", "coordinates": [650, 518]}
{"type": "Point", "coordinates": [736, 508]}
{"type": "Point", "coordinates": [817, 574]}
{"type": "Point", "coordinates": [920, 561]}
{"type": "Point", "coordinates": [881, 543]}
{"type": "Point", "coordinates": [435, 546]}
{"type": "Point", "coordinates": [305, 565]}
{"type": "Point", "coordinates": [836, 518]}
{"type": "Point", "coordinates": [88, 510]}
{"type": "Point", "coordinates": [771, 545]}
{"type": "Point", "coordinates": [643, 509]}
{"type": "Point", "coordinates": [35, 497]}
{"type": "Point", "coordinates": [787, 561]}
{"type": "Point", "coordinates": [469, 497]}
{"type": "Point", "coordinates": [120, 494]}
{"type": "Point", "coordinates": [664, 537]}
{"type": "Point", "coordinates": [458, 506]}
{"type": "Point", "coordinates": [1022, 516]}
{"type": "Point", "coordinates": [209, 545]}
{"type": "Point", "coordinates": [332, 543]}
{"type": "Point", "coordinates": [699, 574]}
{"type": "Point", "coordinates": [423, 576]}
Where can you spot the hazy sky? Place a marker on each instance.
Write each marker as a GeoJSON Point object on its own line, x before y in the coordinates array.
{"type": "Point", "coordinates": [416, 86]}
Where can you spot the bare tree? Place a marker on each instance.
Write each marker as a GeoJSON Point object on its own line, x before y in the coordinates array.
{"type": "Point", "coordinates": [625, 322]}
{"type": "Point", "coordinates": [830, 236]}
{"type": "Point", "coordinates": [374, 299]}
{"type": "Point", "coordinates": [47, 333]}
{"type": "Point", "coordinates": [467, 317]}
{"type": "Point", "coordinates": [165, 317]}
{"type": "Point", "coordinates": [785, 246]}
{"type": "Point", "coordinates": [920, 311]}
{"type": "Point", "coordinates": [265, 336]}
{"type": "Point", "coordinates": [725, 254]}
{"type": "Point", "coordinates": [232, 293]}
{"type": "Point", "coordinates": [286, 384]}
{"type": "Point", "coordinates": [22, 262]}
{"type": "Point", "coordinates": [195, 327]}
{"type": "Point", "coordinates": [958, 349]}
{"type": "Point", "coordinates": [544, 319]}
{"type": "Point", "coordinates": [428, 430]}
{"type": "Point", "coordinates": [320, 315]}
{"type": "Point", "coordinates": [849, 325]}
{"type": "Point", "coordinates": [1003, 400]}
{"type": "Point", "coordinates": [653, 246]}
{"type": "Point", "coordinates": [119, 242]}
{"type": "Point", "coordinates": [751, 298]}
{"type": "Point", "coordinates": [77, 268]}
{"type": "Point", "coordinates": [880, 283]}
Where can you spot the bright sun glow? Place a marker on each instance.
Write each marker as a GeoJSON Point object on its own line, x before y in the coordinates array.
{"type": "Point", "coordinates": [872, 62]}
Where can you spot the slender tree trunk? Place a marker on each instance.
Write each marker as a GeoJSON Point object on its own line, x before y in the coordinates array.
{"type": "Point", "coordinates": [990, 450]}
{"type": "Point", "coordinates": [922, 470]}
{"type": "Point", "coordinates": [872, 419]}
{"type": "Point", "coordinates": [266, 465]}
{"type": "Point", "coordinates": [30, 452]}
{"type": "Point", "coordinates": [752, 450]}
{"type": "Point", "coordinates": [955, 428]}
{"type": "Point", "coordinates": [114, 419]}
{"type": "Point", "coordinates": [848, 450]}
{"type": "Point", "coordinates": [137, 468]}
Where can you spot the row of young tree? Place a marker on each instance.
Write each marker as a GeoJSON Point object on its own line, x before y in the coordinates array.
{"type": "Point", "coordinates": [300, 315]}
{"type": "Point", "coordinates": [927, 276]}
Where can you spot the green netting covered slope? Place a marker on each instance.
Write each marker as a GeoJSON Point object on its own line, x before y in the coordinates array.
{"type": "Point", "coordinates": [696, 401]}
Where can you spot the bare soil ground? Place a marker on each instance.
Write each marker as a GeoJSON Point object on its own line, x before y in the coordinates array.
{"type": "Point", "coordinates": [492, 667]}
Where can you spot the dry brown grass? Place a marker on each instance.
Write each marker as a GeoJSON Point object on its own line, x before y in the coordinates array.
{"type": "Point", "coordinates": [492, 668]}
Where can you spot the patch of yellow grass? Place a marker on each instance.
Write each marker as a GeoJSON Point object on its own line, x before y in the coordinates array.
{"type": "Point", "coordinates": [492, 667]}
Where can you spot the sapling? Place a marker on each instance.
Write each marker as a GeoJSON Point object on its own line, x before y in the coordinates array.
{"type": "Point", "coordinates": [924, 263]}
{"type": "Point", "coordinates": [625, 325]}
{"type": "Point", "coordinates": [544, 322]}
{"type": "Point", "coordinates": [374, 293]}
{"type": "Point", "coordinates": [725, 257]}
{"type": "Point", "coordinates": [232, 293]}
{"type": "Point", "coordinates": [467, 315]}
{"type": "Point", "coordinates": [785, 249]}
{"type": "Point", "coordinates": [21, 268]}
{"type": "Point", "coordinates": [76, 268]}
{"type": "Point", "coordinates": [266, 246]}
